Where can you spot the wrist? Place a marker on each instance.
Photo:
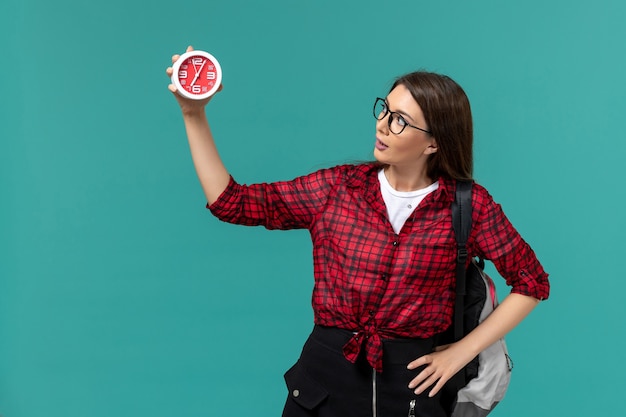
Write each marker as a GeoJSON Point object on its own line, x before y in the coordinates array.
{"type": "Point", "coordinates": [193, 112]}
{"type": "Point", "coordinates": [470, 346]}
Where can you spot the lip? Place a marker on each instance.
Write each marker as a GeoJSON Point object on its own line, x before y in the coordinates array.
{"type": "Point", "coordinates": [380, 145]}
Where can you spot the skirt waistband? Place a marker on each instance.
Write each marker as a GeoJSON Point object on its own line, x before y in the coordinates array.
{"type": "Point", "coordinates": [395, 351]}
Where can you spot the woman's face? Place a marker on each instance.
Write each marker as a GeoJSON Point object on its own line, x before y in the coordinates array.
{"type": "Point", "coordinates": [411, 147]}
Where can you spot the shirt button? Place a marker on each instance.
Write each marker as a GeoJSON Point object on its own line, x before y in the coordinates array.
{"type": "Point", "coordinates": [395, 243]}
{"type": "Point", "coordinates": [296, 393]}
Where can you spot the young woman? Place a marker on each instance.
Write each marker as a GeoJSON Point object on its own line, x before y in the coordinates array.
{"type": "Point", "coordinates": [384, 253]}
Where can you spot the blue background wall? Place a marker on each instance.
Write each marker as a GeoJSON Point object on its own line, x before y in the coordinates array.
{"type": "Point", "coordinates": [120, 294]}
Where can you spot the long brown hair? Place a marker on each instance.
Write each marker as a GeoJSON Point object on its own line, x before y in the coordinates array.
{"type": "Point", "coordinates": [447, 111]}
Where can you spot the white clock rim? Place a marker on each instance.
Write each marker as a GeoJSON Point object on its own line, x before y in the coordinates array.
{"type": "Point", "coordinates": [179, 86]}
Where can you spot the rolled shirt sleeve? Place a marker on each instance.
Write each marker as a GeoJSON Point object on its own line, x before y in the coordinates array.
{"type": "Point", "coordinates": [494, 238]}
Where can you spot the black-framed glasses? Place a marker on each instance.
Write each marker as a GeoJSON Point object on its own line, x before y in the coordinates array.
{"type": "Point", "coordinates": [397, 123]}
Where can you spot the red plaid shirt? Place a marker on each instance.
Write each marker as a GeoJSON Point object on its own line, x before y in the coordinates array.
{"type": "Point", "coordinates": [368, 279]}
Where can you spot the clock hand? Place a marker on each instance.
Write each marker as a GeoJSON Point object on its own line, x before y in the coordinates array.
{"type": "Point", "coordinates": [197, 73]}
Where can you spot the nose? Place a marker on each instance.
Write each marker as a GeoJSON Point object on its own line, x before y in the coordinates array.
{"type": "Point", "coordinates": [382, 125]}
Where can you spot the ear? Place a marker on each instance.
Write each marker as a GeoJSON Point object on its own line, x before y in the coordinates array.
{"type": "Point", "coordinates": [432, 148]}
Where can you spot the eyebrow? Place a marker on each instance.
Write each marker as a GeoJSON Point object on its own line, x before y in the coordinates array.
{"type": "Point", "coordinates": [400, 111]}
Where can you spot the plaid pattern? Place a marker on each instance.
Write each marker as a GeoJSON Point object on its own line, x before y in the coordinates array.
{"type": "Point", "coordinates": [368, 279]}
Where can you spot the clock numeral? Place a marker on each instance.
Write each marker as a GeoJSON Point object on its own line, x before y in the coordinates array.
{"type": "Point", "coordinates": [211, 75]}
{"type": "Point", "coordinates": [196, 89]}
{"type": "Point", "coordinates": [197, 61]}
{"type": "Point", "coordinates": [182, 74]}
{"type": "Point", "coordinates": [211, 68]}
{"type": "Point", "coordinates": [184, 66]}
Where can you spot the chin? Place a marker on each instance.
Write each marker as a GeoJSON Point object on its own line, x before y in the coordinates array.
{"type": "Point", "coordinates": [379, 157]}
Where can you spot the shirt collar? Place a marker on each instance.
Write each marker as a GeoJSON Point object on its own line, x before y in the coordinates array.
{"type": "Point", "coordinates": [365, 175]}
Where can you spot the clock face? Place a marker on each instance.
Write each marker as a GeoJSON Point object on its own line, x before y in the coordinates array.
{"type": "Point", "coordinates": [197, 74]}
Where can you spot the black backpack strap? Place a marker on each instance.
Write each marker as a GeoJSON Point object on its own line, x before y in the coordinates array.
{"type": "Point", "coordinates": [462, 224]}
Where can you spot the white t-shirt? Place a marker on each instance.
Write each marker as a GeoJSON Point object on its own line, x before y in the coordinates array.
{"type": "Point", "coordinates": [400, 204]}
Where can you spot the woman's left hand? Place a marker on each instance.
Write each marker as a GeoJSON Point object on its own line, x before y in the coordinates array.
{"type": "Point", "coordinates": [446, 361]}
{"type": "Point", "coordinates": [439, 367]}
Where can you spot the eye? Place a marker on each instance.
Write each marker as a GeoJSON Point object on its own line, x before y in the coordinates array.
{"type": "Point", "coordinates": [400, 121]}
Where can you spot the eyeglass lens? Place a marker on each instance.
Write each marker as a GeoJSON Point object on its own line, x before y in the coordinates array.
{"type": "Point", "coordinates": [396, 123]}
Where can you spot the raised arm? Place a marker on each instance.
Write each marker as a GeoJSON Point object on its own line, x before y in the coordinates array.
{"type": "Point", "coordinates": [209, 167]}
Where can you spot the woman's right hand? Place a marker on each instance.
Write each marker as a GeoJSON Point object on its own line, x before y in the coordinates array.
{"type": "Point", "coordinates": [188, 106]}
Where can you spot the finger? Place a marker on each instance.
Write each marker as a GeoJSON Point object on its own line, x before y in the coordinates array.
{"type": "Point", "coordinates": [438, 386]}
{"type": "Point", "coordinates": [421, 377]}
{"type": "Point", "coordinates": [172, 88]}
{"type": "Point", "coordinates": [421, 361]}
{"type": "Point", "coordinates": [175, 57]}
{"type": "Point", "coordinates": [169, 71]}
{"type": "Point", "coordinates": [429, 382]}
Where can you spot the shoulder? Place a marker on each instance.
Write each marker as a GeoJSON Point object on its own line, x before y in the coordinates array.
{"type": "Point", "coordinates": [484, 206]}
{"type": "Point", "coordinates": [352, 175]}
{"type": "Point", "coordinates": [480, 194]}
{"type": "Point", "coordinates": [347, 169]}
{"type": "Point", "coordinates": [482, 201]}
{"type": "Point", "coordinates": [346, 175]}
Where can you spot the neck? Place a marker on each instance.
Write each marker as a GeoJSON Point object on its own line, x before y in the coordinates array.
{"type": "Point", "coordinates": [407, 179]}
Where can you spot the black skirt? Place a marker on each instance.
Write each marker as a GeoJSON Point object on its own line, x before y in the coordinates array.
{"type": "Point", "coordinates": [323, 383]}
